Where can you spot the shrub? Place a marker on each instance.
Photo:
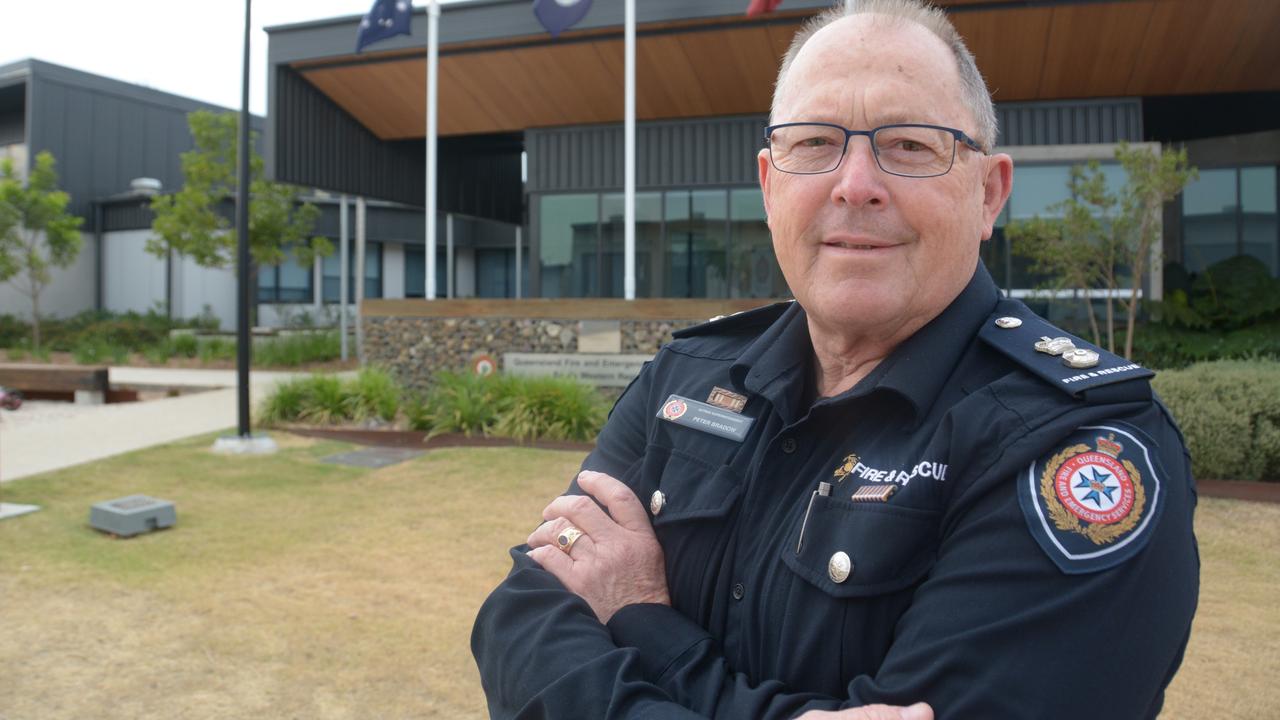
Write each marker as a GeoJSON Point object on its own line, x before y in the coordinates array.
{"type": "Point", "coordinates": [1229, 412]}
{"type": "Point", "coordinates": [185, 345]}
{"type": "Point", "coordinates": [552, 409]}
{"type": "Point", "coordinates": [89, 353]}
{"type": "Point", "coordinates": [285, 402]}
{"type": "Point", "coordinates": [1163, 346]}
{"type": "Point", "coordinates": [159, 353]}
{"type": "Point", "coordinates": [521, 408]}
{"type": "Point", "coordinates": [300, 349]}
{"type": "Point", "coordinates": [460, 402]}
{"type": "Point", "coordinates": [216, 349]}
{"type": "Point", "coordinates": [325, 401]}
{"type": "Point", "coordinates": [373, 393]}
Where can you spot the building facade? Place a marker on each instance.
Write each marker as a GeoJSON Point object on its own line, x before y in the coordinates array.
{"type": "Point", "coordinates": [1071, 79]}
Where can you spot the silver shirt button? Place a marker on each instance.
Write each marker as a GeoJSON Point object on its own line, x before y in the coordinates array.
{"type": "Point", "coordinates": [656, 502]}
{"type": "Point", "coordinates": [839, 567]}
{"type": "Point", "coordinates": [1008, 323]}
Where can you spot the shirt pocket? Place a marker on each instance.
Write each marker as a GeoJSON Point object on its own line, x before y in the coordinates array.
{"type": "Point", "coordinates": [889, 547]}
{"type": "Point", "coordinates": [691, 487]}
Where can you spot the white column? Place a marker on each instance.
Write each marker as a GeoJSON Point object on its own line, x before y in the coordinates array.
{"type": "Point", "coordinates": [344, 266]}
{"type": "Point", "coordinates": [433, 34]}
{"type": "Point", "coordinates": [360, 238]}
{"type": "Point", "coordinates": [317, 281]}
{"type": "Point", "coordinates": [448, 255]}
{"type": "Point", "coordinates": [519, 258]}
{"type": "Point", "coordinates": [629, 182]}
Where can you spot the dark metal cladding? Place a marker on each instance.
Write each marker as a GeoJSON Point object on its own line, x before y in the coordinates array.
{"type": "Point", "coordinates": [102, 132]}
{"type": "Point", "coordinates": [318, 144]}
{"type": "Point", "coordinates": [675, 153]}
{"type": "Point", "coordinates": [1076, 122]}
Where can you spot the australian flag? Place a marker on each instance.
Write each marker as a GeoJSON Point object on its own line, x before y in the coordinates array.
{"type": "Point", "coordinates": [560, 15]}
{"type": "Point", "coordinates": [387, 18]}
{"type": "Point", "coordinates": [758, 7]}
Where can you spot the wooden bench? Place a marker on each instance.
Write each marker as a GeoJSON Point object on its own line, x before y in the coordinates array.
{"type": "Point", "coordinates": [86, 384]}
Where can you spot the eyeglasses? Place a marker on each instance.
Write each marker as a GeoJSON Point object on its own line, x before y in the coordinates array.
{"type": "Point", "coordinates": [908, 150]}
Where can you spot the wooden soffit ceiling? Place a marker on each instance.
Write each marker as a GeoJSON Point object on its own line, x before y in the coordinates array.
{"type": "Point", "coordinates": [1050, 52]}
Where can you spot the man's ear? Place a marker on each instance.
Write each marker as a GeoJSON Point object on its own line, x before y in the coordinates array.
{"type": "Point", "coordinates": [765, 170]}
{"type": "Point", "coordinates": [996, 185]}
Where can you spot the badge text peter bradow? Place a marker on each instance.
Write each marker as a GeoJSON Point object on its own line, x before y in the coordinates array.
{"type": "Point", "coordinates": [601, 370]}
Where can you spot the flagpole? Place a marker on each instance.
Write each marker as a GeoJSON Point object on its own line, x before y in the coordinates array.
{"type": "Point", "coordinates": [629, 166]}
{"type": "Point", "coordinates": [243, 356]}
{"type": "Point", "coordinates": [433, 27]}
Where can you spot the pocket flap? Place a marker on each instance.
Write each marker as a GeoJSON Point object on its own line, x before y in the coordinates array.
{"type": "Point", "coordinates": [691, 488]}
{"type": "Point", "coordinates": [889, 547]}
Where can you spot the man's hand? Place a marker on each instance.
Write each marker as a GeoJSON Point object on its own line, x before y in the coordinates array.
{"type": "Point", "coordinates": [919, 711]}
{"type": "Point", "coordinates": [617, 561]}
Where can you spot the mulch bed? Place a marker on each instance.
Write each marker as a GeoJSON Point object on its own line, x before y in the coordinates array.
{"type": "Point", "coordinates": [1253, 491]}
{"type": "Point", "coordinates": [418, 439]}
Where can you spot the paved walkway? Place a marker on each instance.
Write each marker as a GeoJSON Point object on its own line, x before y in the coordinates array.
{"type": "Point", "coordinates": [48, 436]}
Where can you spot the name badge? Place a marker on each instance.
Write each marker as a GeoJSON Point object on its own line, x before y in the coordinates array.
{"type": "Point", "coordinates": [705, 417]}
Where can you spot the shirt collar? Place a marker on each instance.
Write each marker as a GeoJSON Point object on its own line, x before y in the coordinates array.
{"type": "Point", "coordinates": [920, 367]}
{"type": "Point", "coordinates": [916, 370]}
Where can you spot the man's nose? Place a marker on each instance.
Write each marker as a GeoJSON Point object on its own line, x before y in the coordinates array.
{"type": "Point", "coordinates": [859, 179]}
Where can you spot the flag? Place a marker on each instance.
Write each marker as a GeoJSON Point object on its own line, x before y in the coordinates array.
{"type": "Point", "coordinates": [758, 7]}
{"type": "Point", "coordinates": [386, 19]}
{"type": "Point", "coordinates": [560, 15]}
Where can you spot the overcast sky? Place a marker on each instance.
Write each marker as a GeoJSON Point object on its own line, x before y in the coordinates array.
{"type": "Point", "coordinates": [187, 47]}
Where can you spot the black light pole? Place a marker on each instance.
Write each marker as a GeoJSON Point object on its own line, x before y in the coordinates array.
{"type": "Point", "coordinates": [242, 244]}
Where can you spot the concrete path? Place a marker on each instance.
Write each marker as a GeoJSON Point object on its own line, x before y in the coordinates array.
{"type": "Point", "coordinates": [55, 436]}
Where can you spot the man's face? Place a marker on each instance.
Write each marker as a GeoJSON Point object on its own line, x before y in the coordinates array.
{"type": "Point", "coordinates": [865, 252]}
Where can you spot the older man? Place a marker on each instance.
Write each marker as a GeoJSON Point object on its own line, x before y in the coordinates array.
{"type": "Point", "coordinates": [900, 488]}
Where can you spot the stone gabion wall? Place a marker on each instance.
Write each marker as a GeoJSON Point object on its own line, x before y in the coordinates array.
{"type": "Point", "coordinates": [413, 348]}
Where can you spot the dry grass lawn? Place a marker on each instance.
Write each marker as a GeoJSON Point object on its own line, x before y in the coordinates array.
{"type": "Point", "coordinates": [292, 588]}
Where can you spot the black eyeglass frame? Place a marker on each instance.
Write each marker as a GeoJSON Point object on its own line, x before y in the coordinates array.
{"type": "Point", "coordinates": [958, 135]}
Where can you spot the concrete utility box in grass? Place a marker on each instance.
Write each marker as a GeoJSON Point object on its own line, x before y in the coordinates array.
{"type": "Point", "coordinates": [132, 515]}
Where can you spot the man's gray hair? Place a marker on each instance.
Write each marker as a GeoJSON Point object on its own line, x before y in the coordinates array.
{"type": "Point", "coordinates": [973, 88]}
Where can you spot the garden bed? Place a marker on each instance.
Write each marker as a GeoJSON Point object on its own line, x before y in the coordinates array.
{"type": "Point", "coordinates": [419, 439]}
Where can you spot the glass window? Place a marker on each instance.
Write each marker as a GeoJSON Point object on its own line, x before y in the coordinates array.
{"type": "Point", "coordinates": [495, 277]}
{"type": "Point", "coordinates": [1037, 187]}
{"type": "Point", "coordinates": [648, 239]}
{"type": "Point", "coordinates": [294, 282]}
{"type": "Point", "coordinates": [266, 284]}
{"type": "Point", "coordinates": [287, 282]}
{"type": "Point", "coordinates": [331, 269]}
{"type": "Point", "coordinates": [755, 272]}
{"type": "Point", "coordinates": [415, 269]}
{"type": "Point", "coordinates": [696, 262]}
{"type": "Point", "coordinates": [1258, 215]}
{"type": "Point", "coordinates": [1209, 207]}
{"type": "Point", "coordinates": [568, 245]}
{"type": "Point", "coordinates": [1116, 177]}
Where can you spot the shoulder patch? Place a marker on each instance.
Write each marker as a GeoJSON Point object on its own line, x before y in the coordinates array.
{"type": "Point", "coordinates": [755, 317]}
{"type": "Point", "coordinates": [1070, 364]}
{"type": "Point", "coordinates": [1092, 502]}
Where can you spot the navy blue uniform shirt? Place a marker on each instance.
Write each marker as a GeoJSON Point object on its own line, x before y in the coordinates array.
{"type": "Point", "coordinates": [1016, 537]}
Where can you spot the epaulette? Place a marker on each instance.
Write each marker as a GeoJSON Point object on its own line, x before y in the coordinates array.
{"type": "Point", "coordinates": [1061, 359]}
{"type": "Point", "coordinates": [745, 319]}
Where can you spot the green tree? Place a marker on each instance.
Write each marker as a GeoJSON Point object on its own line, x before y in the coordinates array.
{"type": "Point", "coordinates": [1103, 239]}
{"type": "Point", "coordinates": [36, 232]}
{"type": "Point", "coordinates": [188, 221]}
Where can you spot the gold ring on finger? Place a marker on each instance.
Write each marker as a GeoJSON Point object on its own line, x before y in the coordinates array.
{"type": "Point", "coordinates": [567, 538]}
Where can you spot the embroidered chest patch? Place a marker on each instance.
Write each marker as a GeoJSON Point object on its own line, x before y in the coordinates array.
{"type": "Point", "coordinates": [1091, 502]}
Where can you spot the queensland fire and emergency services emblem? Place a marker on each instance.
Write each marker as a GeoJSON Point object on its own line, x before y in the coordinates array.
{"type": "Point", "coordinates": [1091, 502]}
{"type": "Point", "coordinates": [674, 409]}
